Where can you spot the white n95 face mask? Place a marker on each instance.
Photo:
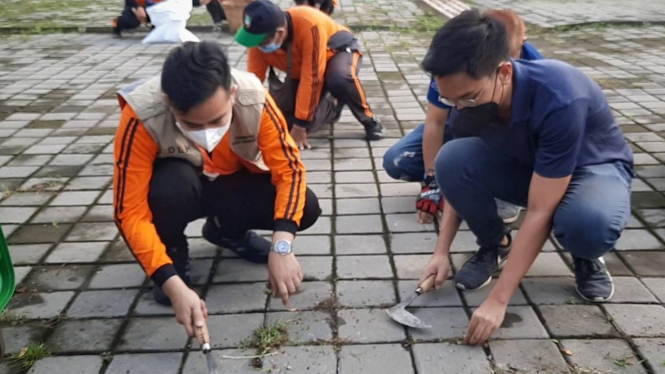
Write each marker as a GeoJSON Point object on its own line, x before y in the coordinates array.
{"type": "Point", "coordinates": [207, 138]}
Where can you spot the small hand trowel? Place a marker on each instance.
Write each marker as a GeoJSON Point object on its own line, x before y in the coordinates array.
{"type": "Point", "coordinates": [203, 336]}
{"type": "Point", "coordinates": [399, 313]}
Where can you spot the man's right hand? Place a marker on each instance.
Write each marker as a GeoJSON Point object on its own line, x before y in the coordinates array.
{"type": "Point", "coordinates": [140, 14]}
{"type": "Point", "coordinates": [438, 265]}
{"type": "Point", "coordinates": [430, 201]}
{"type": "Point", "coordinates": [190, 309]}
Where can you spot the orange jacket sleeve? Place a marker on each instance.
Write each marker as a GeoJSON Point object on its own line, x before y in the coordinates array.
{"type": "Point", "coordinates": [282, 157]}
{"type": "Point", "coordinates": [256, 64]}
{"type": "Point", "coordinates": [135, 151]}
{"type": "Point", "coordinates": [312, 73]}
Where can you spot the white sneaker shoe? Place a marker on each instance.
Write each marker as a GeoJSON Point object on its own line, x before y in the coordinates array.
{"type": "Point", "coordinates": [509, 213]}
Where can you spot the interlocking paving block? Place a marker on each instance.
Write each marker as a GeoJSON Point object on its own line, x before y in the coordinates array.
{"type": "Point", "coordinates": [406, 223]}
{"type": "Point", "coordinates": [20, 273]}
{"type": "Point", "coordinates": [374, 359]}
{"type": "Point", "coordinates": [60, 278]}
{"type": "Point", "coordinates": [369, 205]}
{"type": "Point", "coordinates": [60, 214]}
{"type": "Point", "coordinates": [520, 322]}
{"type": "Point", "coordinates": [118, 276]}
{"type": "Point", "coordinates": [68, 364]}
{"type": "Point", "coordinates": [413, 243]}
{"type": "Point", "coordinates": [447, 323]}
{"type": "Point", "coordinates": [99, 213]}
{"type": "Point", "coordinates": [312, 245]}
{"type": "Point", "coordinates": [364, 267]}
{"type": "Point", "coordinates": [231, 298]}
{"type": "Point", "coordinates": [646, 263]}
{"type": "Point", "coordinates": [429, 358]}
{"type": "Point", "coordinates": [349, 191]}
{"type": "Point", "coordinates": [654, 351]}
{"type": "Point", "coordinates": [16, 215]}
{"type": "Point", "coordinates": [636, 240]}
{"type": "Point", "coordinates": [528, 356]}
{"type": "Point", "coordinates": [27, 254]}
{"type": "Point", "coordinates": [311, 295]}
{"type": "Point", "coordinates": [304, 326]}
{"type": "Point", "coordinates": [17, 337]}
{"type": "Point", "coordinates": [164, 363]}
{"type": "Point", "coordinates": [359, 293]}
{"type": "Point", "coordinates": [84, 232]}
{"type": "Point", "coordinates": [94, 335]}
{"type": "Point", "coordinates": [605, 356]}
{"type": "Point", "coordinates": [476, 298]}
{"type": "Point", "coordinates": [447, 295]}
{"type": "Point", "coordinates": [548, 264]}
{"type": "Point", "coordinates": [153, 333]}
{"type": "Point", "coordinates": [232, 270]}
{"type": "Point", "coordinates": [322, 226]}
{"type": "Point", "coordinates": [70, 198]}
{"type": "Point", "coordinates": [358, 224]}
{"type": "Point", "coordinates": [639, 320]}
{"type": "Point", "coordinates": [232, 330]}
{"type": "Point", "coordinates": [292, 360]}
{"type": "Point", "coordinates": [28, 234]}
{"type": "Point", "coordinates": [77, 252]}
{"type": "Point", "coordinates": [102, 303]}
{"type": "Point", "coordinates": [577, 321]}
{"type": "Point", "coordinates": [656, 286]}
{"type": "Point", "coordinates": [410, 266]}
{"type": "Point", "coordinates": [352, 177]}
{"type": "Point", "coordinates": [359, 244]}
{"type": "Point", "coordinates": [630, 290]}
{"type": "Point", "coordinates": [551, 290]}
{"type": "Point", "coordinates": [316, 267]}
{"type": "Point", "coordinates": [368, 326]}
{"type": "Point", "coordinates": [40, 306]}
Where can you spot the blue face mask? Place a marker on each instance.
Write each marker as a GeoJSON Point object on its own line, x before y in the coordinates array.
{"type": "Point", "coordinates": [270, 48]}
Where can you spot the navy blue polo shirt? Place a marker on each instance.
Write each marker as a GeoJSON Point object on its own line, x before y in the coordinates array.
{"type": "Point", "coordinates": [529, 52]}
{"type": "Point", "coordinates": [560, 121]}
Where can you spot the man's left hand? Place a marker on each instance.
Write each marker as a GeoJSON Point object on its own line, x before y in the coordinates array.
{"type": "Point", "coordinates": [285, 275]}
{"type": "Point", "coordinates": [485, 321]}
{"type": "Point", "coordinates": [140, 14]}
{"type": "Point", "coordinates": [299, 135]}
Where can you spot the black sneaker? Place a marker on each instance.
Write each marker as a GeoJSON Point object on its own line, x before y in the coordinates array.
{"type": "Point", "coordinates": [180, 258]}
{"type": "Point", "coordinates": [592, 280]}
{"type": "Point", "coordinates": [250, 247]}
{"type": "Point", "coordinates": [477, 271]}
{"type": "Point", "coordinates": [374, 131]}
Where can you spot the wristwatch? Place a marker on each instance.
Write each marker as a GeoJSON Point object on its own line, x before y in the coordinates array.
{"type": "Point", "coordinates": [282, 247]}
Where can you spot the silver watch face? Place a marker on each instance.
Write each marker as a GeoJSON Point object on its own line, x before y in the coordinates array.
{"type": "Point", "coordinates": [283, 247]}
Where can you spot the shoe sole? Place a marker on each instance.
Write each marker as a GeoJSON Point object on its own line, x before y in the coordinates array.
{"type": "Point", "coordinates": [597, 300]}
{"type": "Point", "coordinates": [512, 219]}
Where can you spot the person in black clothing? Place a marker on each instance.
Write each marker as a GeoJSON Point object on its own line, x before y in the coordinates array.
{"type": "Point", "coordinates": [135, 15]}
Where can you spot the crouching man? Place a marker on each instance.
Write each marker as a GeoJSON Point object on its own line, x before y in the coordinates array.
{"type": "Point", "coordinates": [538, 134]}
{"type": "Point", "coordinates": [205, 140]}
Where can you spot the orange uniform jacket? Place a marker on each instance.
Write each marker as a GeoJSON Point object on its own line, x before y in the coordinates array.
{"type": "Point", "coordinates": [310, 34]}
{"type": "Point", "coordinates": [136, 151]}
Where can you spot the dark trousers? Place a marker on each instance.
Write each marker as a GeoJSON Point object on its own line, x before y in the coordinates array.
{"type": "Point", "coordinates": [587, 222]}
{"type": "Point", "coordinates": [127, 20]}
{"type": "Point", "coordinates": [242, 201]}
{"type": "Point", "coordinates": [342, 83]}
{"type": "Point", "coordinates": [214, 9]}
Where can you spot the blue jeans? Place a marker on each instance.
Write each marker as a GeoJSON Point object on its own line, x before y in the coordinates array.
{"type": "Point", "coordinates": [587, 222]}
{"type": "Point", "coordinates": [404, 160]}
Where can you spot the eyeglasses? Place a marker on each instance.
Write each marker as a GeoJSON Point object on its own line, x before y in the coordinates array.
{"type": "Point", "coordinates": [465, 102]}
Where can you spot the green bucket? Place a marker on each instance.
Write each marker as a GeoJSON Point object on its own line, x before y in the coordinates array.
{"type": "Point", "coordinates": [6, 273]}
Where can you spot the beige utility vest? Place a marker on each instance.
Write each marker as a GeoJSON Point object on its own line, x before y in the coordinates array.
{"type": "Point", "coordinates": [145, 98]}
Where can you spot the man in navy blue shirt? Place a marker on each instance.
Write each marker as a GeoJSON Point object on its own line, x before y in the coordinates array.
{"type": "Point", "coordinates": [538, 134]}
{"type": "Point", "coordinates": [412, 158]}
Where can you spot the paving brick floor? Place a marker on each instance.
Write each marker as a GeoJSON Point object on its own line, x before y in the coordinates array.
{"type": "Point", "coordinates": [82, 294]}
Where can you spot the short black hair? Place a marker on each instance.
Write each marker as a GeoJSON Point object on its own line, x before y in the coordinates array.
{"type": "Point", "coordinates": [470, 43]}
{"type": "Point", "coordinates": [193, 72]}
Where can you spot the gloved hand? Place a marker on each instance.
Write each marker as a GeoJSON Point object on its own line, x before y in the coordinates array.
{"type": "Point", "coordinates": [430, 201]}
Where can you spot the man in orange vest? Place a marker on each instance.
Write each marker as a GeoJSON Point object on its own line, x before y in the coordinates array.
{"type": "Point", "coordinates": [326, 57]}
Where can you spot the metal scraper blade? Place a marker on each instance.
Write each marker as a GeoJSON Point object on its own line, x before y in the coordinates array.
{"type": "Point", "coordinates": [212, 365]}
{"type": "Point", "coordinates": [400, 315]}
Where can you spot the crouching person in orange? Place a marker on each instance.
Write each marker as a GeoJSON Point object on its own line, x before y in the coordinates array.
{"type": "Point", "coordinates": [205, 140]}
